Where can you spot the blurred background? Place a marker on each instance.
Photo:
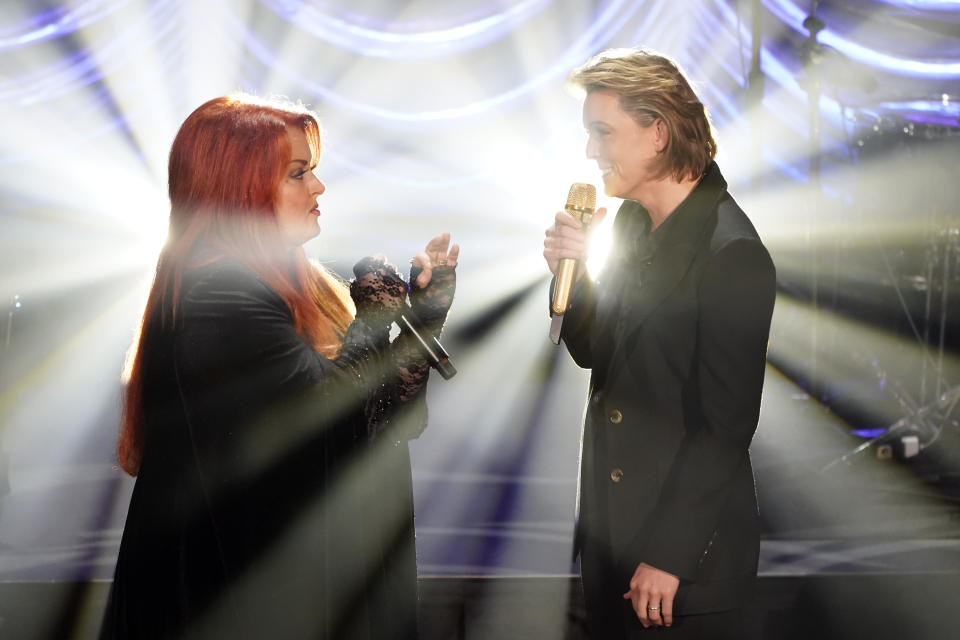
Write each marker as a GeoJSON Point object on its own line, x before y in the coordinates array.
{"type": "Point", "coordinates": [839, 131]}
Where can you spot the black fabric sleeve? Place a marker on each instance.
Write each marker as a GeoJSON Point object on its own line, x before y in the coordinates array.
{"type": "Point", "coordinates": [406, 418]}
{"type": "Point", "coordinates": [243, 373]}
{"type": "Point", "coordinates": [578, 321]}
{"type": "Point", "coordinates": [736, 298]}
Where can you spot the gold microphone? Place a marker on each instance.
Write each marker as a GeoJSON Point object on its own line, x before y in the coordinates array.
{"type": "Point", "coordinates": [581, 201]}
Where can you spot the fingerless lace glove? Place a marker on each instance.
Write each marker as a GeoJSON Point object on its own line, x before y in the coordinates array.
{"type": "Point", "coordinates": [392, 375]}
{"type": "Point", "coordinates": [432, 302]}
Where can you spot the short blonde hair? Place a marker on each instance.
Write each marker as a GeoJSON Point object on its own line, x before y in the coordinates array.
{"type": "Point", "coordinates": [651, 87]}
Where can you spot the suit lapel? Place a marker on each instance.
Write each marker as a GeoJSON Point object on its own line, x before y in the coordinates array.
{"type": "Point", "coordinates": [631, 221]}
{"type": "Point", "coordinates": [648, 293]}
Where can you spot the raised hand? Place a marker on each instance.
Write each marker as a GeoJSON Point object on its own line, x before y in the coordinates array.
{"type": "Point", "coordinates": [438, 253]}
{"type": "Point", "coordinates": [434, 280]}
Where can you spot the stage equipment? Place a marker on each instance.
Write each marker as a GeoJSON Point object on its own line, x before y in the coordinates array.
{"type": "Point", "coordinates": [923, 272]}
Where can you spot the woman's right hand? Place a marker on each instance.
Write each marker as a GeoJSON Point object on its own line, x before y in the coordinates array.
{"type": "Point", "coordinates": [567, 238]}
{"type": "Point", "coordinates": [378, 291]}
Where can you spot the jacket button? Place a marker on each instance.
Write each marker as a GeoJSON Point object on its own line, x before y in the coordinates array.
{"type": "Point", "coordinates": [616, 417]}
{"type": "Point", "coordinates": [616, 474]}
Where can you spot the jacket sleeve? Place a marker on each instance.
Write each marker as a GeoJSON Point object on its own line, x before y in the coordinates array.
{"type": "Point", "coordinates": [578, 321]}
{"type": "Point", "coordinates": [736, 297]}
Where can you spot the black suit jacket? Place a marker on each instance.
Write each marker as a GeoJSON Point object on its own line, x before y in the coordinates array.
{"type": "Point", "coordinates": [677, 344]}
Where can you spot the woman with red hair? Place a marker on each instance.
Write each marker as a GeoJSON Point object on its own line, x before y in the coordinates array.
{"type": "Point", "coordinates": [267, 412]}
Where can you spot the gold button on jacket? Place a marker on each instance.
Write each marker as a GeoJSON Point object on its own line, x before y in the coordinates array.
{"type": "Point", "coordinates": [616, 417]}
{"type": "Point", "coordinates": [616, 474]}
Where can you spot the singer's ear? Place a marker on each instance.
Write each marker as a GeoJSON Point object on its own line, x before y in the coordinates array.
{"type": "Point", "coordinates": [662, 135]}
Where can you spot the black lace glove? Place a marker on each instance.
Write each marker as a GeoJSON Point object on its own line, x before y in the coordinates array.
{"type": "Point", "coordinates": [393, 375]}
{"type": "Point", "coordinates": [378, 291]}
{"type": "Point", "coordinates": [379, 294]}
{"type": "Point", "coordinates": [431, 303]}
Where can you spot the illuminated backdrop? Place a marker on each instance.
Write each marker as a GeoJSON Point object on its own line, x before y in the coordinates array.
{"type": "Point", "coordinates": [453, 116]}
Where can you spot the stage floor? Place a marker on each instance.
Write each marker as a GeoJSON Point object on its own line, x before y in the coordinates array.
{"type": "Point", "coordinates": [879, 606]}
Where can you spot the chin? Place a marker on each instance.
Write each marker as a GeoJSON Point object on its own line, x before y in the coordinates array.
{"type": "Point", "coordinates": [610, 189]}
{"type": "Point", "coordinates": [303, 239]}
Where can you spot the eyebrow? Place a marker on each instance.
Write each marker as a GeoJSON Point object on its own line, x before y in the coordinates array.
{"type": "Point", "coordinates": [298, 160]}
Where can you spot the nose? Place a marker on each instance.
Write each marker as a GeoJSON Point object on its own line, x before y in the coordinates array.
{"type": "Point", "coordinates": [592, 148]}
{"type": "Point", "coordinates": [319, 187]}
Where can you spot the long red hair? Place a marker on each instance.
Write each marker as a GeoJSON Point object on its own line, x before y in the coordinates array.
{"type": "Point", "coordinates": [226, 164]}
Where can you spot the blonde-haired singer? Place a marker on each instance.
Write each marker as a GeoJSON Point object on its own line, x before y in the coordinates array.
{"type": "Point", "coordinates": [675, 332]}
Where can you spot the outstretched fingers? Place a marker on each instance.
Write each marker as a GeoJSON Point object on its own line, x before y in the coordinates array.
{"type": "Point", "coordinates": [437, 253]}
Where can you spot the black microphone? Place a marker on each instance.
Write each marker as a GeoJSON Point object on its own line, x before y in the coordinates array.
{"type": "Point", "coordinates": [430, 347]}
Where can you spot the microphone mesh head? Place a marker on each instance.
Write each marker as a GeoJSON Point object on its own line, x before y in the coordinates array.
{"type": "Point", "coordinates": [582, 196]}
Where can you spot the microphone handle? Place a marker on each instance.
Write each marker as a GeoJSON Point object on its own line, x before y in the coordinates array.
{"type": "Point", "coordinates": [561, 294]}
{"type": "Point", "coordinates": [430, 347]}
{"type": "Point", "coordinates": [567, 269]}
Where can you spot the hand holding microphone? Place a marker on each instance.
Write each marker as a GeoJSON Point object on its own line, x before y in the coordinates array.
{"type": "Point", "coordinates": [565, 247]}
{"type": "Point", "coordinates": [379, 294]}
{"type": "Point", "coordinates": [567, 238]}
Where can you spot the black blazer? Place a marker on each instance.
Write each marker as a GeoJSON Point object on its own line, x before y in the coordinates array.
{"type": "Point", "coordinates": [677, 344]}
